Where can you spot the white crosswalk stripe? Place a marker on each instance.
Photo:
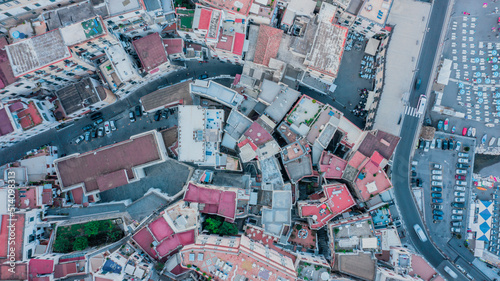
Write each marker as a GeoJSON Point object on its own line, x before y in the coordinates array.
{"type": "Point", "coordinates": [411, 111]}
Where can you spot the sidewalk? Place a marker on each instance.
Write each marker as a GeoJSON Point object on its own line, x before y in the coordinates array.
{"type": "Point", "coordinates": [401, 60]}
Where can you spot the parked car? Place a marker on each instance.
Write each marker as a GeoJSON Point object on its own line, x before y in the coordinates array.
{"type": "Point", "coordinates": [107, 129]}
{"type": "Point", "coordinates": [164, 114]}
{"type": "Point", "coordinates": [458, 182]}
{"type": "Point", "coordinates": [131, 116]}
{"type": "Point", "coordinates": [445, 144]}
{"type": "Point", "coordinates": [94, 133]}
{"type": "Point", "coordinates": [459, 146]}
{"type": "Point", "coordinates": [460, 177]}
{"type": "Point", "coordinates": [437, 206]}
{"type": "Point", "coordinates": [456, 223]}
{"type": "Point", "coordinates": [438, 143]}
{"type": "Point", "coordinates": [437, 218]}
{"type": "Point", "coordinates": [436, 177]}
{"type": "Point", "coordinates": [437, 212]}
{"type": "Point", "coordinates": [158, 115]}
{"type": "Point", "coordinates": [427, 146]}
{"type": "Point", "coordinates": [87, 136]}
{"type": "Point", "coordinates": [437, 166]}
{"type": "Point", "coordinates": [100, 132]}
{"type": "Point", "coordinates": [138, 111]}
{"type": "Point", "coordinates": [203, 76]}
{"type": "Point", "coordinates": [95, 116]}
{"type": "Point", "coordinates": [462, 166]}
{"type": "Point", "coordinates": [457, 211]}
{"type": "Point", "coordinates": [458, 205]}
{"type": "Point", "coordinates": [437, 200]}
{"type": "Point", "coordinates": [455, 217]}
{"type": "Point", "coordinates": [461, 172]}
{"type": "Point", "coordinates": [436, 195]}
{"type": "Point", "coordinates": [459, 199]}
{"type": "Point", "coordinates": [437, 172]}
{"type": "Point", "coordinates": [433, 144]}
{"type": "Point", "coordinates": [437, 189]}
{"type": "Point", "coordinates": [451, 145]}
{"type": "Point", "coordinates": [455, 229]}
{"type": "Point", "coordinates": [98, 121]}
{"type": "Point", "coordinates": [458, 193]}
{"type": "Point", "coordinates": [397, 223]}
{"type": "Point", "coordinates": [419, 183]}
{"type": "Point", "coordinates": [79, 139]}
{"type": "Point", "coordinates": [437, 183]}
{"type": "Point", "coordinates": [463, 160]}
{"type": "Point", "coordinates": [459, 188]}
{"type": "Point", "coordinates": [88, 127]}
{"type": "Point", "coordinates": [413, 173]}
{"type": "Point", "coordinates": [112, 125]}
{"type": "Point", "coordinates": [463, 154]}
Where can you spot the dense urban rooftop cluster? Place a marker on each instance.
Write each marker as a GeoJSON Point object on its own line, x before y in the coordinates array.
{"type": "Point", "coordinates": [280, 186]}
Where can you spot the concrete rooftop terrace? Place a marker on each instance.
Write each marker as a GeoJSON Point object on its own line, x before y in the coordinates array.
{"type": "Point", "coordinates": [372, 179]}
{"type": "Point", "coordinates": [328, 48]}
{"type": "Point", "coordinates": [331, 165]}
{"type": "Point", "coordinates": [88, 168]}
{"type": "Point", "coordinates": [36, 52]}
{"type": "Point", "coordinates": [217, 201]}
{"type": "Point", "coordinates": [235, 6]}
{"type": "Point", "coordinates": [376, 10]}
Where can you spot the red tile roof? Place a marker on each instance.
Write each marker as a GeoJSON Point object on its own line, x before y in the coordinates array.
{"type": "Point", "coordinates": [39, 267]}
{"type": "Point", "coordinates": [29, 117]}
{"type": "Point", "coordinates": [26, 198]}
{"type": "Point", "coordinates": [77, 194]}
{"type": "Point", "coordinates": [6, 75]}
{"type": "Point", "coordinates": [150, 51]}
{"type": "Point", "coordinates": [337, 199]}
{"type": "Point", "coordinates": [268, 43]}
{"type": "Point", "coordinates": [257, 134]}
{"type": "Point", "coordinates": [62, 270]}
{"type": "Point", "coordinates": [112, 180]}
{"type": "Point", "coordinates": [174, 242]}
{"type": "Point", "coordinates": [123, 155]}
{"type": "Point", "coordinates": [20, 272]}
{"type": "Point", "coordinates": [47, 198]}
{"type": "Point", "coordinates": [18, 220]}
{"type": "Point", "coordinates": [239, 41]}
{"type": "Point", "coordinates": [5, 124]}
{"type": "Point", "coordinates": [205, 17]}
{"type": "Point", "coordinates": [357, 160]}
{"type": "Point", "coordinates": [332, 166]}
{"type": "Point", "coordinates": [218, 202]}
{"type": "Point", "coordinates": [144, 239]}
{"type": "Point", "coordinates": [380, 141]}
{"type": "Point", "coordinates": [225, 42]}
{"type": "Point", "coordinates": [174, 45]}
{"type": "Point", "coordinates": [160, 229]}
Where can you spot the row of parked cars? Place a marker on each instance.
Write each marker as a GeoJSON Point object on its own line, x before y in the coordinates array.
{"type": "Point", "coordinates": [444, 144]}
{"type": "Point", "coordinates": [459, 201]}
{"type": "Point", "coordinates": [95, 129]}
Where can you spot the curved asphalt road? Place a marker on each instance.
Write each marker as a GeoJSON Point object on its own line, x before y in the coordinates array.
{"type": "Point", "coordinates": [400, 172]}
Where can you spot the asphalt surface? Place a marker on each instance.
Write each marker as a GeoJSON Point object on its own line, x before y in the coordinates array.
{"type": "Point", "coordinates": [63, 138]}
{"type": "Point", "coordinates": [400, 174]}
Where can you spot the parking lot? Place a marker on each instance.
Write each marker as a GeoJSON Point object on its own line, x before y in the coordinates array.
{"type": "Point", "coordinates": [437, 171]}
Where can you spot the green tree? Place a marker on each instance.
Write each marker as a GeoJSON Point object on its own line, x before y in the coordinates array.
{"type": "Point", "coordinates": [62, 245]}
{"type": "Point", "coordinates": [81, 243]}
{"type": "Point", "coordinates": [91, 228]}
{"type": "Point", "coordinates": [228, 229]}
{"type": "Point", "coordinates": [212, 225]}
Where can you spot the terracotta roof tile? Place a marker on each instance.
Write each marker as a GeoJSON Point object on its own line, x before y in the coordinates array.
{"type": "Point", "coordinates": [268, 43]}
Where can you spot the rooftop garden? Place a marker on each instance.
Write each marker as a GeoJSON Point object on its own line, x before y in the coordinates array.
{"type": "Point", "coordinates": [78, 237]}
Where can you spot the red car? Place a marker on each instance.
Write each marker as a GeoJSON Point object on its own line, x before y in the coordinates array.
{"type": "Point", "coordinates": [459, 177]}
{"type": "Point", "coordinates": [464, 132]}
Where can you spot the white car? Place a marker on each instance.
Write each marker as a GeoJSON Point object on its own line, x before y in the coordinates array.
{"type": "Point", "coordinates": [79, 139]}
{"type": "Point", "coordinates": [437, 166]}
{"type": "Point", "coordinates": [455, 229]}
{"type": "Point", "coordinates": [437, 172]}
{"type": "Point", "coordinates": [461, 172]}
{"type": "Point", "coordinates": [457, 211]}
{"type": "Point", "coordinates": [464, 155]}
{"type": "Point", "coordinates": [463, 160]}
{"type": "Point", "coordinates": [459, 194]}
{"type": "Point", "coordinates": [437, 183]}
{"type": "Point", "coordinates": [459, 199]}
{"type": "Point", "coordinates": [436, 178]}
{"type": "Point", "coordinates": [433, 144]}
{"type": "Point", "coordinates": [460, 182]}
{"type": "Point", "coordinates": [459, 188]}
{"type": "Point", "coordinates": [459, 145]}
{"type": "Point", "coordinates": [427, 146]}
{"type": "Point", "coordinates": [112, 125]}
{"type": "Point", "coordinates": [455, 217]}
{"type": "Point", "coordinates": [107, 129]}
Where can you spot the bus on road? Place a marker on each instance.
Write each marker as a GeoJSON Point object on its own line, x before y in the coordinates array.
{"type": "Point", "coordinates": [422, 102]}
{"type": "Point", "coordinates": [420, 233]}
{"type": "Point", "coordinates": [450, 272]}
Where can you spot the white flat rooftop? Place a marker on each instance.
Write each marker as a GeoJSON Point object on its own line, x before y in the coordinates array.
{"type": "Point", "coordinates": [191, 120]}
{"type": "Point", "coordinates": [121, 62]}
